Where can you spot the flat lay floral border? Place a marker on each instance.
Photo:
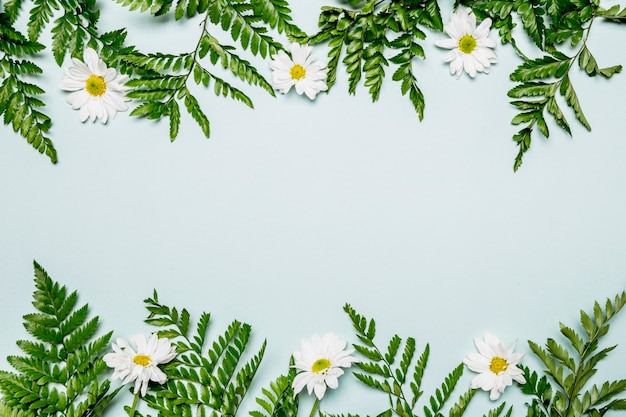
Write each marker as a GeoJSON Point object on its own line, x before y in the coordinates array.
{"type": "Point", "coordinates": [68, 367]}
{"type": "Point", "coordinates": [370, 39]}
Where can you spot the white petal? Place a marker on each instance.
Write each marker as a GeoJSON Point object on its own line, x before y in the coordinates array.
{"type": "Point", "coordinates": [482, 31]}
{"type": "Point", "coordinates": [447, 43]}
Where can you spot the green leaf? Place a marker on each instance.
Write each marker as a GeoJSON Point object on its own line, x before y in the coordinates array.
{"type": "Point", "coordinates": [540, 68]}
{"type": "Point", "coordinates": [567, 90]}
{"type": "Point", "coordinates": [571, 368]}
{"type": "Point", "coordinates": [209, 376]}
{"type": "Point", "coordinates": [532, 21]}
{"type": "Point", "coordinates": [381, 374]}
{"type": "Point", "coordinates": [533, 89]}
{"type": "Point", "coordinates": [553, 108]}
{"type": "Point", "coordinates": [64, 355]}
{"type": "Point", "coordinates": [523, 140]}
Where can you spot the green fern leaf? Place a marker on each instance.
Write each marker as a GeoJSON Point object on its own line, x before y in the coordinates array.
{"type": "Point", "coordinates": [206, 378]}
{"type": "Point", "coordinates": [381, 375]}
{"type": "Point", "coordinates": [532, 21]}
{"type": "Point", "coordinates": [461, 405]}
{"type": "Point", "coordinates": [373, 66]}
{"type": "Point", "coordinates": [19, 104]}
{"type": "Point", "coordinates": [571, 396]}
{"type": "Point", "coordinates": [61, 374]}
{"type": "Point", "coordinates": [407, 358]}
{"type": "Point", "coordinates": [277, 15]}
{"type": "Point", "coordinates": [279, 400]}
{"type": "Point", "coordinates": [539, 68]}
{"type": "Point", "coordinates": [40, 15]}
{"type": "Point", "coordinates": [355, 46]}
{"type": "Point", "coordinates": [443, 393]}
{"type": "Point", "coordinates": [567, 90]}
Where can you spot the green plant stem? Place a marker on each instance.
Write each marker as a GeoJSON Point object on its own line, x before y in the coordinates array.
{"type": "Point", "coordinates": [134, 406]}
{"type": "Point", "coordinates": [314, 408]}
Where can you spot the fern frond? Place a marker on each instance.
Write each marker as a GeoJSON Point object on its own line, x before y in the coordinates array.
{"type": "Point", "coordinates": [442, 394]}
{"type": "Point", "coordinates": [277, 15]}
{"type": "Point", "coordinates": [572, 367]}
{"type": "Point", "coordinates": [366, 36]}
{"type": "Point", "coordinates": [238, 66]}
{"type": "Point", "coordinates": [239, 19]}
{"type": "Point", "coordinates": [381, 373]}
{"type": "Point", "coordinates": [60, 376]}
{"type": "Point", "coordinates": [19, 100]}
{"type": "Point", "coordinates": [206, 377]}
{"type": "Point", "coordinates": [278, 399]}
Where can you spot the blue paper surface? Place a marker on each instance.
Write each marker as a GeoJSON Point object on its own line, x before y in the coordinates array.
{"type": "Point", "coordinates": [294, 208]}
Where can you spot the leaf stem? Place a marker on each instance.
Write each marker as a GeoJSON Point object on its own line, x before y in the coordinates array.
{"type": "Point", "coordinates": [518, 50]}
{"type": "Point", "coordinates": [314, 408]}
{"type": "Point", "coordinates": [134, 406]}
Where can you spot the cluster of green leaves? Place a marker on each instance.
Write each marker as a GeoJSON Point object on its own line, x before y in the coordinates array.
{"type": "Point", "coordinates": [381, 372]}
{"type": "Point", "coordinates": [550, 24]}
{"type": "Point", "coordinates": [162, 80]}
{"type": "Point", "coordinates": [566, 389]}
{"type": "Point", "coordinates": [369, 30]}
{"type": "Point", "coordinates": [59, 374]}
{"type": "Point", "coordinates": [279, 399]}
{"type": "Point", "coordinates": [20, 102]}
{"type": "Point", "coordinates": [205, 378]}
{"type": "Point", "coordinates": [74, 27]}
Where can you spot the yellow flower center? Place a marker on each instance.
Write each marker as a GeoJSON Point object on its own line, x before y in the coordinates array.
{"type": "Point", "coordinates": [143, 360]}
{"type": "Point", "coordinates": [95, 85]}
{"type": "Point", "coordinates": [498, 365]}
{"type": "Point", "coordinates": [297, 73]}
{"type": "Point", "coordinates": [320, 365]}
{"type": "Point", "coordinates": [467, 44]}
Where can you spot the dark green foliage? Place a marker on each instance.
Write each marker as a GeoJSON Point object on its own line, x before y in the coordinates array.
{"type": "Point", "coordinates": [397, 372]}
{"type": "Point", "coordinates": [62, 364]}
{"type": "Point", "coordinates": [206, 378]}
{"type": "Point", "coordinates": [279, 399]}
{"type": "Point", "coordinates": [20, 105]}
{"type": "Point", "coordinates": [73, 29]}
{"type": "Point", "coordinates": [162, 80]}
{"type": "Point", "coordinates": [367, 34]}
{"type": "Point", "coordinates": [550, 24]}
{"type": "Point", "coordinates": [566, 388]}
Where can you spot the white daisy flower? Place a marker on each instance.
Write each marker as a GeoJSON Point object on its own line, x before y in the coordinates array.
{"type": "Point", "coordinates": [300, 70]}
{"type": "Point", "coordinates": [97, 91]}
{"type": "Point", "coordinates": [140, 363]}
{"type": "Point", "coordinates": [319, 363]}
{"type": "Point", "coordinates": [495, 364]}
{"type": "Point", "coordinates": [469, 44]}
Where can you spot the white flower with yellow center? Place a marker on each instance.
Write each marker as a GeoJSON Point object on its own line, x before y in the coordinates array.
{"type": "Point", "coordinates": [97, 91]}
{"type": "Point", "coordinates": [496, 365]}
{"type": "Point", "coordinates": [140, 363]}
{"type": "Point", "coordinates": [470, 45]}
{"type": "Point", "coordinates": [299, 70]}
{"type": "Point", "coordinates": [319, 363]}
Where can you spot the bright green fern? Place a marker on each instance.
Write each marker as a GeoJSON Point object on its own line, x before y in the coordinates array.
{"type": "Point", "coordinates": [20, 102]}
{"type": "Point", "coordinates": [162, 81]}
{"type": "Point", "coordinates": [362, 37]}
{"type": "Point", "coordinates": [206, 378]}
{"type": "Point", "coordinates": [567, 389]}
{"type": "Point", "coordinates": [60, 373]}
{"type": "Point", "coordinates": [544, 82]}
{"type": "Point", "coordinates": [396, 372]}
{"type": "Point", "coordinates": [278, 399]}
{"type": "Point", "coordinates": [74, 27]}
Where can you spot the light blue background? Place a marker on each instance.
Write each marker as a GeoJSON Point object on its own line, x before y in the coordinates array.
{"type": "Point", "coordinates": [295, 208]}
